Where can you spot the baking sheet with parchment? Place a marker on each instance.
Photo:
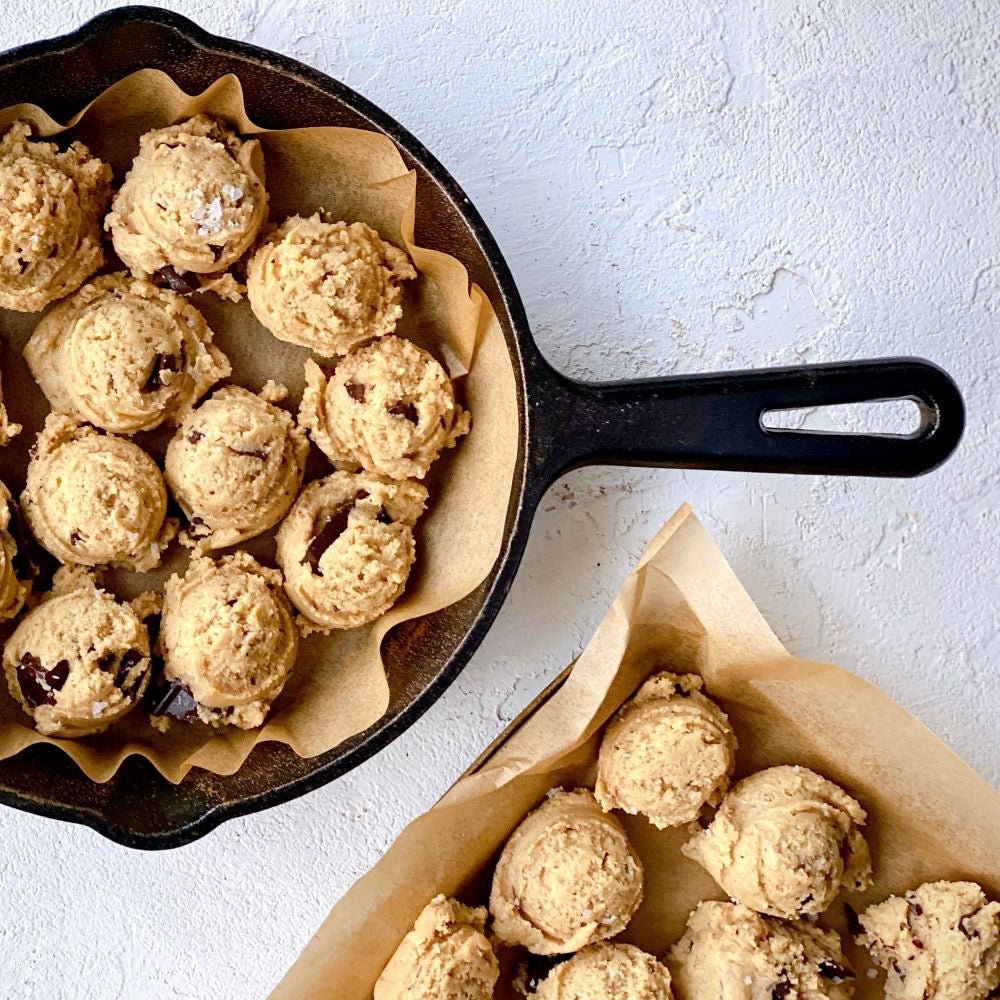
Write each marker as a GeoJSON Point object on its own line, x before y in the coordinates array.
{"type": "Point", "coordinates": [682, 608]}
{"type": "Point", "coordinates": [339, 686]}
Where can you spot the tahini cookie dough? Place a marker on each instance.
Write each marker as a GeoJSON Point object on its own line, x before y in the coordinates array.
{"type": "Point", "coordinates": [785, 841]}
{"type": "Point", "coordinates": [124, 355]}
{"type": "Point", "coordinates": [328, 286]}
{"type": "Point", "coordinates": [388, 407]}
{"type": "Point", "coordinates": [51, 205]}
{"type": "Point", "coordinates": [347, 546]}
{"type": "Point", "coordinates": [605, 970]}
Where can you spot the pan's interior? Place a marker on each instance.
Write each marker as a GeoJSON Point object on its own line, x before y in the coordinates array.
{"type": "Point", "coordinates": [422, 656]}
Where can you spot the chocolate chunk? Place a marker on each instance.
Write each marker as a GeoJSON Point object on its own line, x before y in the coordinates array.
{"type": "Point", "coordinates": [407, 410]}
{"type": "Point", "coordinates": [781, 990]}
{"type": "Point", "coordinates": [383, 516]}
{"type": "Point", "coordinates": [356, 391]}
{"type": "Point", "coordinates": [326, 533]}
{"type": "Point", "coordinates": [361, 495]}
{"type": "Point", "coordinates": [913, 908]}
{"type": "Point", "coordinates": [195, 436]}
{"type": "Point", "coordinates": [854, 927]}
{"type": "Point", "coordinates": [257, 453]}
{"type": "Point", "coordinates": [831, 970]}
{"type": "Point", "coordinates": [962, 926]}
{"type": "Point", "coordinates": [681, 691]}
{"type": "Point", "coordinates": [176, 281]}
{"type": "Point", "coordinates": [24, 566]}
{"type": "Point", "coordinates": [217, 252]}
{"type": "Point", "coordinates": [805, 902]}
{"type": "Point", "coordinates": [106, 662]}
{"type": "Point", "coordinates": [37, 684]}
{"type": "Point", "coordinates": [199, 529]}
{"type": "Point", "coordinates": [75, 537]}
{"type": "Point", "coordinates": [128, 662]}
{"type": "Point", "coordinates": [917, 943]}
{"type": "Point", "coordinates": [161, 363]}
{"type": "Point", "coordinates": [173, 698]}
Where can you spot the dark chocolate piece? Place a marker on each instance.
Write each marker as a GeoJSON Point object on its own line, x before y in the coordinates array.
{"type": "Point", "coordinates": [257, 453]}
{"type": "Point", "coordinates": [356, 391]}
{"type": "Point", "coordinates": [173, 698]}
{"type": "Point", "coordinates": [325, 535]}
{"type": "Point", "coordinates": [161, 363]}
{"type": "Point", "coordinates": [38, 685]}
{"type": "Point", "coordinates": [175, 281]}
{"type": "Point", "coordinates": [383, 516]}
{"type": "Point", "coordinates": [407, 410]}
{"type": "Point", "coordinates": [195, 436]}
{"type": "Point", "coordinates": [832, 970]}
{"type": "Point", "coordinates": [781, 990]}
{"type": "Point", "coordinates": [128, 662]}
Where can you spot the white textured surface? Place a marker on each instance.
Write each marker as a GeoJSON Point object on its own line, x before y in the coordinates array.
{"type": "Point", "coordinates": [677, 188]}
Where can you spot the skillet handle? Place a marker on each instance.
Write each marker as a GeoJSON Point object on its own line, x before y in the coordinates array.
{"type": "Point", "coordinates": [714, 421]}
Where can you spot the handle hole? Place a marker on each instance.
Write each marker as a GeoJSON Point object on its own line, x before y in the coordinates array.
{"type": "Point", "coordinates": [896, 417]}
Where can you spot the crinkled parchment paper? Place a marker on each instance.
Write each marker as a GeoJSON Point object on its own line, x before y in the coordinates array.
{"type": "Point", "coordinates": [339, 687]}
{"type": "Point", "coordinates": [930, 815]}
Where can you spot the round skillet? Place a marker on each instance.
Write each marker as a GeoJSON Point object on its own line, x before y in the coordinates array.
{"type": "Point", "coordinates": [704, 421]}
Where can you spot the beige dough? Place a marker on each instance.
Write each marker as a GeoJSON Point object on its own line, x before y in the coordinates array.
{"type": "Point", "coordinates": [51, 205]}
{"type": "Point", "coordinates": [94, 499]}
{"type": "Point", "coordinates": [235, 466]}
{"type": "Point", "coordinates": [124, 355]}
{"type": "Point", "coordinates": [389, 407]}
{"type": "Point", "coordinates": [16, 571]}
{"type": "Point", "coordinates": [729, 952]}
{"type": "Point", "coordinates": [667, 753]}
{"type": "Point", "coordinates": [228, 642]}
{"type": "Point", "coordinates": [939, 942]}
{"type": "Point", "coordinates": [445, 957]}
{"type": "Point", "coordinates": [193, 200]}
{"type": "Point", "coordinates": [347, 547]}
{"type": "Point", "coordinates": [784, 842]}
{"type": "Point", "coordinates": [78, 662]}
{"type": "Point", "coordinates": [566, 878]}
{"type": "Point", "coordinates": [8, 430]}
{"type": "Point", "coordinates": [328, 286]}
{"type": "Point", "coordinates": [603, 971]}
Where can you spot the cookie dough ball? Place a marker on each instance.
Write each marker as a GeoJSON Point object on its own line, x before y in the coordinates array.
{"type": "Point", "coordinates": [389, 407]}
{"type": "Point", "coordinates": [566, 878]}
{"type": "Point", "coordinates": [235, 466]}
{"type": "Point", "coordinates": [193, 200]}
{"type": "Point", "coordinates": [347, 547]}
{"type": "Point", "coordinates": [94, 499]}
{"type": "Point", "coordinates": [78, 662]}
{"type": "Point", "coordinates": [228, 641]}
{"type": "Point", "coordinates": [328, 286]}
{"type": "Point", "coordinates": [784, 842]}
{"type": "Point", "coordinates": [124, 355]}
{"type": "Point", "coordinates": [16, 571]}
{"type": "Point", "coordinates": [938, 942]}
{"type": "Point", "coordinates": [446, 956]}
{"type": "Point", "coordinates": [729, 952]}
{"type": "Point", "coordinates": [8, 429]}
{"type": "Point", "coordinates": [51, 205]}
{"type": "Point", "coordinates": [667, 753]}
{"type": "Point", "coordinates": [607, 970]}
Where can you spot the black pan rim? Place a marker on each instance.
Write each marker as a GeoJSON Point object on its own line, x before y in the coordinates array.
{"type": "Point", "coordinates": [519, 511]}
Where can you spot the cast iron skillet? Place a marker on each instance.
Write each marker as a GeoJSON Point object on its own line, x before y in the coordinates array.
{"type": "Point", "coordinates": [704, 421]}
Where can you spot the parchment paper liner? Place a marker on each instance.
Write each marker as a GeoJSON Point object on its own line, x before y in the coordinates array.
{"type": "Point", "coordinates": [339, 687]}
{"type": "Point", "coordinates": [930, 815]}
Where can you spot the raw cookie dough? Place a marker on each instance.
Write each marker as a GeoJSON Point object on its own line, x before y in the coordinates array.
{"type": "Point", "coordinates": [328, 286]}
{"type": "Point", "coordinates": [566, 878]}
{"type": "Point", "coordinates": [78, 662]}
{"type": "Point", "coordinates": [235, 466]}
{"type": "Point", "coordinates": [445, 957]}
{"type": "Point", "coordinates": [8, 430]}
{"type": "Point", "coordinates": [729, 952]}
{"type": "Point", "coordinates": [601, 971]}
{"type": "Point", "coordinates": [193, 200]}
{"type": "Point", "coordinates": [16, 571]}
{"type": "Point", "coordinates": [938, 942]}
{"type": "Point", "coordinates": [95, 499]}
{"type": "Point", "coordinates": [389, 407]}
{"type": "Point", "coordinates": [668, 752]}
{"type": "Point", "coordinates": [51, 205]}
{"type": "Point", "coordinates": [124, 355]}
{"type": "Point", "coordinates": [228, 642]}
{"type": "Point", "coordinates": [347, 547]}
{"type": "Point", "coordinates": [784, 842]}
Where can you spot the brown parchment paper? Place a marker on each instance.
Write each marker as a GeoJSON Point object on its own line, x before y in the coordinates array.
{"type": "Point", "coordinates": [339, 686]}
{"type": "Point", "coordinates": [930, 815]}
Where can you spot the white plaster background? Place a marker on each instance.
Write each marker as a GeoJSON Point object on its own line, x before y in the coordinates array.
{"type": "Point", "coordinates": [677, 186]}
